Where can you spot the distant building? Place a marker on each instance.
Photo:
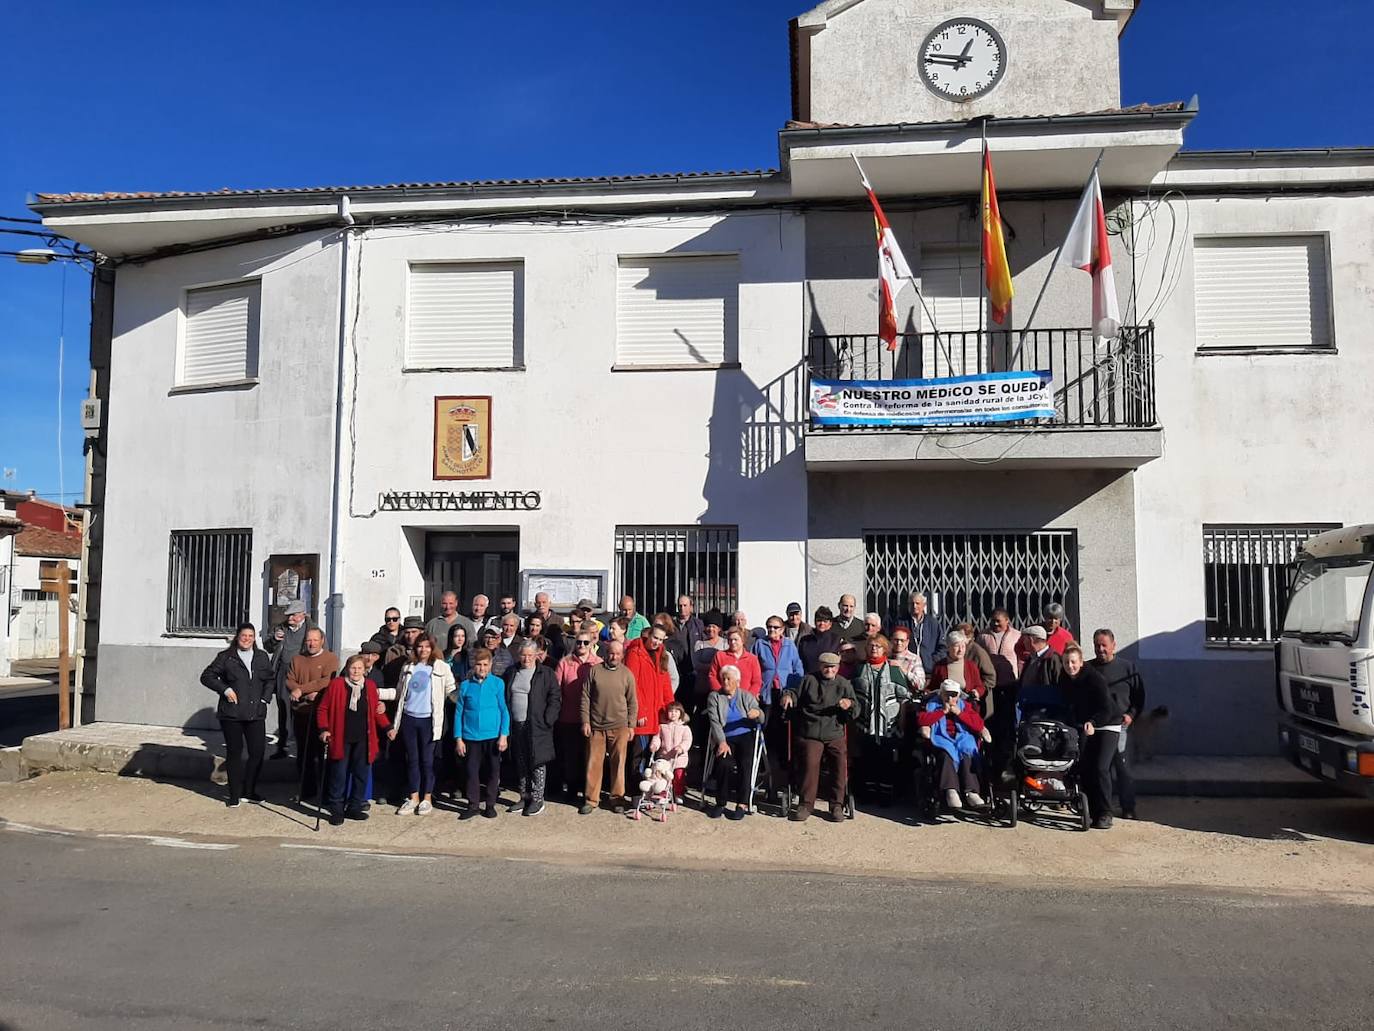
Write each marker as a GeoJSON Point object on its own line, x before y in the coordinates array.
{"type": "Point", "coordinates": [363, 395]}
{"type": "Point", "coordinates": [47, 533]}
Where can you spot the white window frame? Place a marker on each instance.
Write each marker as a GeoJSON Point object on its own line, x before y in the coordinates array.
{"type": "Point", "coordinates": [252, 356]}
{"type": "Point", "coordinates": [731, 343]}
{"type": "Point", "coordinates": [1328, 325]}
{"type": "Point", "coordinates": [517, 267]}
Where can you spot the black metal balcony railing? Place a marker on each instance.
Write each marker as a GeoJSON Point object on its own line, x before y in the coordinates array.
{"type": "Point", "coordinates": [1097, 383]}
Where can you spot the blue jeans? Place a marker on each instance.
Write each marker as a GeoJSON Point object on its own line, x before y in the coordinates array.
{"type": "Point", "coordinates": [353, 764]}
{"type": "Point", "coordinates": [417, 735]}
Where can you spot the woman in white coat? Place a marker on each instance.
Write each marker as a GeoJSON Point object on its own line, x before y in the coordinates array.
{"type": "Point", "coordinates": [424, 683]}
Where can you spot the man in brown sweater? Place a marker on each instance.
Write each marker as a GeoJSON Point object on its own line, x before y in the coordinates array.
{"type": "Point", "coordinates": [310, 673]}
{"type": "Point", "coordinates": [610, 707]}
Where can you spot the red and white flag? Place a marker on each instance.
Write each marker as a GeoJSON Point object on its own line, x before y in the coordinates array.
{"type": "Point", "coordinates": [892, 268]}
{"type": "Point", "coordinates": [1087, 248]}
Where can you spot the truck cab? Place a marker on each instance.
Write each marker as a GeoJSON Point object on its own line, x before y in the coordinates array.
{"type": "Point", "coordinates": [1323, 660]}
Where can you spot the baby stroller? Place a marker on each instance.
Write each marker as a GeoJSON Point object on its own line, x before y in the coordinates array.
{"type": "Point", "coordinates": [1045, 771]}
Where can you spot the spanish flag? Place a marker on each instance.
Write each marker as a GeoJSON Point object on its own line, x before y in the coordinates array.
{"type": "Point", "coordinates": [998, 272]}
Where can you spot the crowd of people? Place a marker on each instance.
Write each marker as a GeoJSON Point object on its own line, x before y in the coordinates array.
{"type": "Point", "coordinates": [570, 704]}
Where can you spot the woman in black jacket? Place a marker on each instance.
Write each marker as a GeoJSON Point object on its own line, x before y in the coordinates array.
{"type": "Point", "coordinates": [243, 677]}
{"type": "Point", "coordinates": [1097, 712]}
{"type": "Point", "coordinates": [534, 700]}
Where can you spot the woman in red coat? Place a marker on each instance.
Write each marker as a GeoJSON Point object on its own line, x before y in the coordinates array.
{"type": "Point", "coordinates": [959, 667]}
{"type": "Point", "coordinates": [350, 718]}
{"type": "Point", "coordinates": [647, 659]}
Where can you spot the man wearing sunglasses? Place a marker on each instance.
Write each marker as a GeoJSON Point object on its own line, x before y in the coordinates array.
{"type": "Point", "coordinates": [570, 771]}
{"type": "Point", "coordinates": [390, 630]}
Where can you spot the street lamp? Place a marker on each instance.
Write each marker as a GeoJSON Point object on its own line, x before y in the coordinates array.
{"type": "Point", "coordinates": [36, 256]}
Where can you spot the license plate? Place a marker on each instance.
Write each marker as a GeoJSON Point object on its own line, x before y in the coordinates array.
{"type": "Point", "coordinates": [1309, 744]}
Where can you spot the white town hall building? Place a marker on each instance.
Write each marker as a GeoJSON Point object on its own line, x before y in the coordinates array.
{"type": "Point", "coordinates": [362, 395]}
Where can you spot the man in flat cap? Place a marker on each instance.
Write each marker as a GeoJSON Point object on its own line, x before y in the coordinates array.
{"type": "Point", "coordinates": [284, 643]}
{"type": "Point", "coordinates": [824, 704]}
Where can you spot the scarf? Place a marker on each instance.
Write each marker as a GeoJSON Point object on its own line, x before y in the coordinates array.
{"type": "Point", "coordinates": [355, 688]}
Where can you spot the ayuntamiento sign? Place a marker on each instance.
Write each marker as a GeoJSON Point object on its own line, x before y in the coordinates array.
{"type": "Point", "coordinates": [988, 398]}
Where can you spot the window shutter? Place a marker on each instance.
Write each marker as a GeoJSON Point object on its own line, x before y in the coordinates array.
{"type": "Point", "coordinates": [464, 316]}
{"type": "Point", "coordinates": [220, 343]}
{"type": "Point", "coordinates": [678, 311]}
{"type": "Point", "coordinates": [949, 283]}
{"type": "Point", "coordinates": [1261, 292]}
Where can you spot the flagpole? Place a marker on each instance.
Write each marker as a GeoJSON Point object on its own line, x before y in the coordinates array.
{"type": "Point", "coordinates": [912, 280]}
{"type": "Point", "coordinates": [1025, 330]}
{"type": "Point", "coordinates": [982, 241]}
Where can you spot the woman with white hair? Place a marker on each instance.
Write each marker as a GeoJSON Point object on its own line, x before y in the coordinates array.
{"type": "Point", "coordinates": [959, 667]}
{"type": "Point", "coordinates": [1056, 633]}
{"type": "Point", "coordinates": [733, 713]}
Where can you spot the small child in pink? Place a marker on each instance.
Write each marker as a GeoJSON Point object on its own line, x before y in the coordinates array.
{"type": "Point", "coordinates": [674, 743]}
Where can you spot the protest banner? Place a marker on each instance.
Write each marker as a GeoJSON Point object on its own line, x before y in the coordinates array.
{"type": "Point", "coordinates": [993, 397]}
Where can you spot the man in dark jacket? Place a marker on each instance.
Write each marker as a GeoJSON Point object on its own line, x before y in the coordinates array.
{"type": "Point", "coordinates": [926, 639]}
{"type": "Point", "coordinates": [822, 705]}
{"type": "Point", "coordinates": [1039, 684]}
{"type": "Point", "coordinates": [794, 627]}
{"type": "Point", "coordinates": [1128, 691]}
{"type": "Point", "coordinates": [821, 639]}
{"type": "Point", "coordinates": [284, 643]}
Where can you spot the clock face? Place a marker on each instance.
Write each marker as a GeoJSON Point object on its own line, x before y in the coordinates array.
{"type": "Point", "coordinates": [963, 59]}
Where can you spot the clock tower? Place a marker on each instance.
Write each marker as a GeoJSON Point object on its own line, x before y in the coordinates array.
{"type": "Point", "coordinates": [884, 62]}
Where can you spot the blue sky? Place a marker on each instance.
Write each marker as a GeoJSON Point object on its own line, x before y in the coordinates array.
{"type": "Point", "coordinates": [159, 95]}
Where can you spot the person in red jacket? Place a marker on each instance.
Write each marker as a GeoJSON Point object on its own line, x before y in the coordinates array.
{"type": "Point", "coordinates": [350, 717]}
{"type": "Point", "coordinates": [648, 660]}
{"type": "Point", "coordinates": [750, 673]}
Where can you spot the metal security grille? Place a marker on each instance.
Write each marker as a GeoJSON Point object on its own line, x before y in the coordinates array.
{"type": "Point", "coordinates": [968, 575]}
{"type": "Point", "coordinates": [656, 564]}
{"type": "Point", "coordinates": [209, 579]}
{"type": "Point", "coordinates": [1245, 568]}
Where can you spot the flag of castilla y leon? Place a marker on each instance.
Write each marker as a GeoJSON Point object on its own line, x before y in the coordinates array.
{"type": "Point", "coordinates": [1000, 290]}
{"type": "Point", "coordinates": [892, 271]}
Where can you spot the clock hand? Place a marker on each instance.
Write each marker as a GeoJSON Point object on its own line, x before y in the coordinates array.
{"type": "Point", "coordinates": [949, 59]}
{"type": "Point", "coordinates": [964, 57]}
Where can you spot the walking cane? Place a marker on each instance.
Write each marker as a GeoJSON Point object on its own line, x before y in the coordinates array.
{"type": "Point", "coordinates": [319, 801]}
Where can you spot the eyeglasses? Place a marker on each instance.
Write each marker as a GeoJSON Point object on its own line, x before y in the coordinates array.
{"type": "Point", "coordinates": [584, 644]}
{"type": "Point", "coordinates": [393, 619]}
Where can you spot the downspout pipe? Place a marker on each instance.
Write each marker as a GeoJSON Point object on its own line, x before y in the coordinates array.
{"type": "Point", "coordinates": [334, 607]}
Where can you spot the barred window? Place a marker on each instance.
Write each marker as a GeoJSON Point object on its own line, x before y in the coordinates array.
{"type": "Point", "coordinates": [209, 580]}
{"type": "Point", "coordinates": [1245, 568]}
{"type": "Point", "coordinates": [656, 564]}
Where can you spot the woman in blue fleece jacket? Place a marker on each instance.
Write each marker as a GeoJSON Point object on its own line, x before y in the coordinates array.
{"type": "Point", "coordinates": [481, 723]}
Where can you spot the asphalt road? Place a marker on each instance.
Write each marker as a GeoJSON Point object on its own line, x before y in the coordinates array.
{"type": "Point", "coordinates": [102, 933]}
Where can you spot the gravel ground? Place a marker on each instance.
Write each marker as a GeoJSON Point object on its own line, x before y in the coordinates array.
{"type": "Point", "coordinates": [1274, 846]}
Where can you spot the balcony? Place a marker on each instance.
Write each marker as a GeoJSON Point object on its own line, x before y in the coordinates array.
{"type": "Point", "coordinates": [1104, 394]}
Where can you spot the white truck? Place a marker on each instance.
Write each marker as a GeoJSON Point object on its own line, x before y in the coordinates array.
{"type": "Point", "coordinates": [1325, 658]}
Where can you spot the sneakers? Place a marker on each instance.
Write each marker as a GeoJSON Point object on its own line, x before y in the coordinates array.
{"type": "Point", "coordinates": [533, 810]}
{"type": "Point", "coordinates": [586, 809]}
{"type": "Point", "coordinates": [737, 813]}
{"type": "Point", "coordinates": [423, 808]}
{"type": "Point", "coordinates": [952, 799]}
{"type": "Point", "coordinates": [975, 800]}
{"type": "Point", "coordinates": [406, 808]}
{"type": "Point", "coordinates": [800, 814]}
{"type": "Point", "coordinates": [232, 803]}
{"type": "Point", "coordinates": [255, 797]}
